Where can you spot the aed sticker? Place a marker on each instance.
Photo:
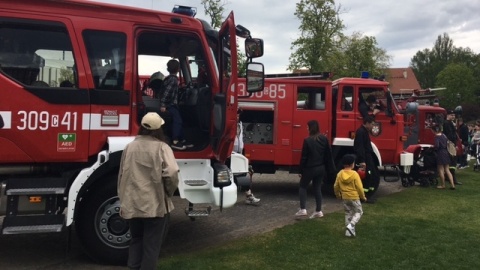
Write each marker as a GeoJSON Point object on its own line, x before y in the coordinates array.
{"type": "Point", "coordinates": [66, 142]}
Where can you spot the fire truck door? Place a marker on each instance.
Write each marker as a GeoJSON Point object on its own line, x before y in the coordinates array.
{"type": "Point", "coordinates": [310, 105]}
{"type": "Point", "coordinates": [345, 117]}
{"type": "Point", "coordinates": [225, 102]}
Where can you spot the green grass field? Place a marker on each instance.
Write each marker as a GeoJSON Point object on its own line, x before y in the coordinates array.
{"type": "Point", "coordinates": [418, 228]}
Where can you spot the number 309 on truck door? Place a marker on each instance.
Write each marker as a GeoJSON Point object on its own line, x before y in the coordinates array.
{"type": "Point", "coordinates": [43, 120]}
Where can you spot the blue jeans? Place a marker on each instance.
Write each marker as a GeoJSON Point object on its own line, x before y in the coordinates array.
{"type": "Point", "coordinates": [177, 123]}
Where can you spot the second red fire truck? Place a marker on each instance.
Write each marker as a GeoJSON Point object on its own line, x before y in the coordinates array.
{"type": "Point", "coordinates": [275, 121]}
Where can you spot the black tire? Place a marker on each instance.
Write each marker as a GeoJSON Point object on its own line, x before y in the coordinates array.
{"type": "Point", "coordinates": [104, 235]}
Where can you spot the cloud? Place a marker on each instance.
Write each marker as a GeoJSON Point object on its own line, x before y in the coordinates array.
{"type": "Point", "coordinates": [401, 27]}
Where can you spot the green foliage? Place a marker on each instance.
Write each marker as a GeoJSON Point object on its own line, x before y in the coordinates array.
{"type": "Point", "coordinates": [418, 228]}
{"type": "Point", "coordinates": [458, 79]}
{"type": "Point", "coordinates": [456, 68]}
{"type": "Point", "coordinates": [214, 9]}
{"type": "Point", "coordinates": [320, 30]}
{"type": "Point", "coordinates": [66, 74]}
{"type": "Point", "coordinates": [322, 46]}
{"type": "Point", "coordinates": [359, 53]}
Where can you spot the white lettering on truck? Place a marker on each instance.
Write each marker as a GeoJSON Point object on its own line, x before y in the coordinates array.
{"type": "Point", "coordinates": [34, 120]}
{"type": "Point", "coordinates": [272, 91]}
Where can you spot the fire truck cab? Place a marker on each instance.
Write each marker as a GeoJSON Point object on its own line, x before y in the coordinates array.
{"type": "Point", "coordinates": [275, 121]}
{"type": "Point", "coordinates": [70, 101]}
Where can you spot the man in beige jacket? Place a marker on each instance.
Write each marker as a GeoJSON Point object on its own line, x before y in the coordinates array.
{"type": "Point", "coordinates": [148, 177]}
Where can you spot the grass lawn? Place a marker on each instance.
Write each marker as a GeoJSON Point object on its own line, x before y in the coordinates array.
{"type": "Point", "coordinates": [418, 228]}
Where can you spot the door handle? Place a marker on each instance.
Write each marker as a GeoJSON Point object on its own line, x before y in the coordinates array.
{"type": "Point", "coordinates": [297, 126]}
{"type": "Point", "coordinates": [345, 116]}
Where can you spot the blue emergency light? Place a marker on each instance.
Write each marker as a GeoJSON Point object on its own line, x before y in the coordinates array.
{"type": "Point", "coordinates": [184, 10]}
{"type": "Point", "coordinates": [365, 75]}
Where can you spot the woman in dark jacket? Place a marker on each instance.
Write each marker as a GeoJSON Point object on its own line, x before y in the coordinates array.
{"type": "Point", "coordinates": [316, 157]}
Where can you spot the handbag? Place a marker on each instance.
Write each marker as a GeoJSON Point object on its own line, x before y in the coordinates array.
{"type": "Point", "coordinates": [451, 148]}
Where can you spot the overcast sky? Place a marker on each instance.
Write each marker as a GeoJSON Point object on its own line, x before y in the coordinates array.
{"type": "Point", "coordinates": [401, 27]}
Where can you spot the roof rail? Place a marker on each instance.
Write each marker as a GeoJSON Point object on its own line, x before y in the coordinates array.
{"type": "Point", "coordinates": [315, 75]}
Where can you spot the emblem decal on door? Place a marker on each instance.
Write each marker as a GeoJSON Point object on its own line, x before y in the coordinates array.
{"type": "Point", "coordinates": [376, 129]}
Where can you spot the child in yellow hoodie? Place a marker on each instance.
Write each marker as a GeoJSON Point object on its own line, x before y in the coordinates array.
{"type": "Point", "coordinates": [348, 187]}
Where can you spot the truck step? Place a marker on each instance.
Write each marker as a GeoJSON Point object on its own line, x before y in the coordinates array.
{"type": "Point", "coordinates": [36, 186]}
{"type": "Point", "coordinates": [196, 183]}
{"type": "Point", "coordinates": [33, 224]}
{"type": "Point", "coordinates": [198, 212]}
{"type": "Point", "coordinates": [35, 191]}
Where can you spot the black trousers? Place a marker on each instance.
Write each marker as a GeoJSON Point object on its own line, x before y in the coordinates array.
{"type": "Point", "coordinates": [372, 179]}
{"type": "Point", "coordinates": [314, 175]}
{"type": "Point", "coordinates": [147, 238]}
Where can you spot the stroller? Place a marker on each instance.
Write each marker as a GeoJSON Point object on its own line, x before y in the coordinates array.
{"type": "Point", "coordinates": [476, 166]}
{"type": "Point", "coordinates": [424, 168]}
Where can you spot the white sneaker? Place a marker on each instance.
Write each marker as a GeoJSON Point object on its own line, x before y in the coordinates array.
{"type": "Point", "coordinates": [348, 234]}
{"type": "Point", "coordinates": [252, 200]}
{"type": "Point", "coordinates": [318, 214]}
{"type": "Point", "coordinates": [351, 229]}
{"type": "Point", "coordinates": [301, 213]}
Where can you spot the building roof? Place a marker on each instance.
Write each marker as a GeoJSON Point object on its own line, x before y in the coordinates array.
{"type": "Point", "coordinates": [402, 80]}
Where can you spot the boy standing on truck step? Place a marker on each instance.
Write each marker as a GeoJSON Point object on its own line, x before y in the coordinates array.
{"type": "Point", "coordinates": [348, 187]}
{"type": "Point", "coordinates": [147, 179]}
{"type": "Point", "coordinates": [168, 102]}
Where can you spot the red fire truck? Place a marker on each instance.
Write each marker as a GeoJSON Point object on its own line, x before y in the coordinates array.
{"type": "Point", "coordinates": [275, 121]}
{"type": "Point", "coordinates": [421, 110]}
{"type": "Point", "coordinates": [70, 100]}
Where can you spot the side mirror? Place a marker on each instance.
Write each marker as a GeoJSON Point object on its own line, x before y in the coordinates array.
{"type": "Point", "coordinates": [253, 47]}
{"type": "Point", "coordinates": [255, 77]}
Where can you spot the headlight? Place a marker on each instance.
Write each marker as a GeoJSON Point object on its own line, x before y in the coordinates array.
{"type": "Point", "coordinates": [223, 175]}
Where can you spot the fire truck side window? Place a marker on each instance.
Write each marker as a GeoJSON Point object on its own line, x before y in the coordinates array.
{"type": "Point", "coordinates": [311, 98]}
{"type": "Point", "coordinates": [347, 98]}
{"type": "Point", "coordinates": [106, 54]}
{"type": "Point", "coordinates": [37, 53]}
{"type": "Point", "coordinates": [378, 93]}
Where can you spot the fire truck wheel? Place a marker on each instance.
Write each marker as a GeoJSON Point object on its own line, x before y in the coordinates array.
{"type": "Point", "coordinates": [104, 235]}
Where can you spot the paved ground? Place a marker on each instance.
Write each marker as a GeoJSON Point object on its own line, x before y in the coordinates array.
{"type": "Point", "coordinates": [279, 202]}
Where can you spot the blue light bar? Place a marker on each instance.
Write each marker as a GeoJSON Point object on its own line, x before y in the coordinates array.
{"type": "Point", "coordinates": [184, 10]}
{"type": "Point", "coordinates": [365, 75]}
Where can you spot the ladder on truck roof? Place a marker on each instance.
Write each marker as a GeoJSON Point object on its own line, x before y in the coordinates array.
{"type": "Point", "coordinates": [302, 76]}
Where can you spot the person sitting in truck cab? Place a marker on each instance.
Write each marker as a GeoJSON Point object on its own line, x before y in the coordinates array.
{"type": "Point", "coordinates": [368, 106]}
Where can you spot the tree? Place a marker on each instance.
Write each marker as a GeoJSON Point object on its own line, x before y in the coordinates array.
{"type": "Point", "coordinates": [427, 64]}
{"type": "Point", "coordinates": [320, 31]}
{"type": "Point", "coordinates": [214, 9]}
{"type": "Point", "coordinates": [66, 74]}
{"type": "Point", "coordinates": [459, 81]}
{"type": "Point", "coordinates": [445, 65]}
{"type": "Point", "coordinates": [359, 53]}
